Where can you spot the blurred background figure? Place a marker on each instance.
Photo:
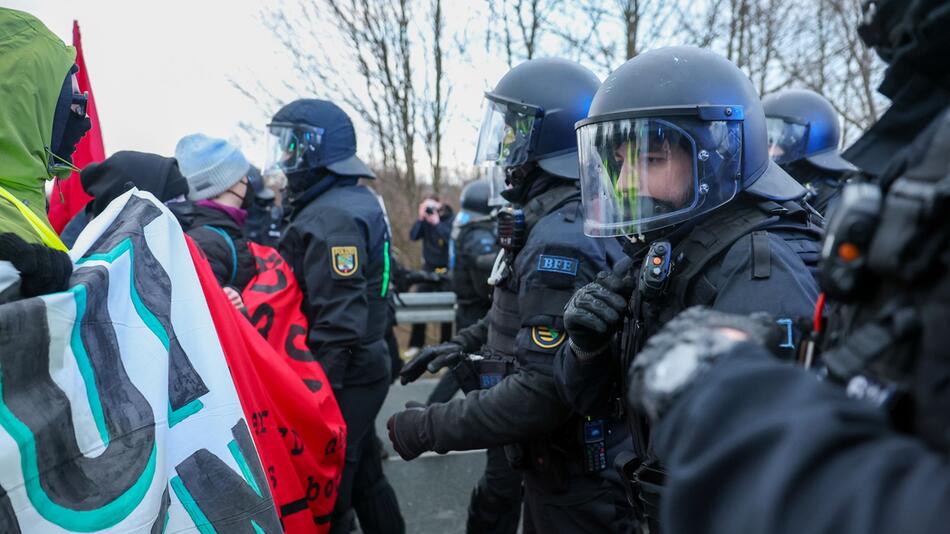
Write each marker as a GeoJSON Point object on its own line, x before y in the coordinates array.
{"type": "Point", "coordinates": [265, 214]}
{"type": "Point", "coordinates": [804, 135]}
{"type": "Point", "coordinates": [472, 251]}
{"type": "Point", "coordinates": [434, 229]}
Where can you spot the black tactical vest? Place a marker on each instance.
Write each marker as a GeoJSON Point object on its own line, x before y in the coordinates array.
{"type": "Point", "coordinates": [890, 342]}
{"type": "Point", "coordinates": [504, 318]}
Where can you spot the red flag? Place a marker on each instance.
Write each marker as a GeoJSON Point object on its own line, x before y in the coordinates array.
{"type": "Point", "coordinates": [89, 150]}
{"type": "Point", "coordinates": [297, 426]}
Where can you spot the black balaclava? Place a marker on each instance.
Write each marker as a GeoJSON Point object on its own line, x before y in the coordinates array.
{"type": "Point", "coordinates": [68, 126]}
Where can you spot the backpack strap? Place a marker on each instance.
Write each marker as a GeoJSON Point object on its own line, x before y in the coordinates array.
{"type": "Point", "coordinates": [234, 258]}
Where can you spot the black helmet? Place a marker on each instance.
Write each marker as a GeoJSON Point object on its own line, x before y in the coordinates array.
{"type": "Point", "coordinates": [803, 125]}
{"type": "Point", "coordinates": [309, 134]}
{"type": "Point", "coordinates": [475, 197]}
{"type": "Point", "coordinates": [530, 116]}
{"type": "Point", "coordinates": [673, 134]}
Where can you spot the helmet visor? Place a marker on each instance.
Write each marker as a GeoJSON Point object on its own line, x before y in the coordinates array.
{"type": "Point", "coordinates": [291, 147]}
{"type": "Point", "coordinates": [508, 134]}
{"type": "Point", "coordinates": [786, 140]}
{"type": "Point", "coordinates": [643, 174]}
{"type": "Point", "coordinates": [497, 185]}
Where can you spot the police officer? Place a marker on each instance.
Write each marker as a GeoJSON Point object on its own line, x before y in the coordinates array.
{"type": "Point", "coordinates": [679, 171]}
{"type": "Point", "coordinates": [803, 138]}
{"type": "Point", "coordinates": [338, 246]}
{"type": "Point", "coordinates": [754, 445]}
{"type": "Point", "coordinates": [528, 133]}
{"type": "Point", "coordinates": [264, 215]}
{"type": "Point", "coordinates": [472, 252]}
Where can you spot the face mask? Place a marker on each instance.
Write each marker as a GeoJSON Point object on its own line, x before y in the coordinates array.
{"type": "Point", "coordinates": [70, 124]}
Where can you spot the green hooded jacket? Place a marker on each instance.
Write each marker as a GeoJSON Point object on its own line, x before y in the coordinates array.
{"type": "Point", "coordinates": [33, 66]}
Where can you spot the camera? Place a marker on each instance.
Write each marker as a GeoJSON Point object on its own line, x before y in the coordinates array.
{"type": "Point", "coordinates": [430, 210]}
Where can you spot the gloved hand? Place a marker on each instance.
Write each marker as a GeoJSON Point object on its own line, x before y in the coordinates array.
{"type": "Point", "coordinates": [595, 312]}
{"type": "Point", "coordinates": [431, 358]}
{"type": "Point", "coordinates": [406, 431]}
{"type": "Point", "coordinates": [687, 346]}
{"type": "Point", "coordinates": [43, 270]}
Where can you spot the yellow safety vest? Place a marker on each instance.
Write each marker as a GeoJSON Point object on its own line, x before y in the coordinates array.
{"type": "Point", "coordinates": [47, 235]}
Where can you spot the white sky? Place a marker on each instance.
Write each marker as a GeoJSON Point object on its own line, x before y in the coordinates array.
{"type": "Point", "coordinates": [160, 70]}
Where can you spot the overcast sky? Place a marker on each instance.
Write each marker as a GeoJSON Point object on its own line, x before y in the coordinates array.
{"type": "Point", "coordinates": [160, 70]}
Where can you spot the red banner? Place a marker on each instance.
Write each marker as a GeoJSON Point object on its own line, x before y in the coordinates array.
{"type": "Point", "coordinates": [297, 426]}
{"type": "Point", "coordinates": [68, 196]}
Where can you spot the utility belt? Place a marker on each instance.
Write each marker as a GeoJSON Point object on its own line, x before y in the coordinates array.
{"type": "Point", "coordinates": [578, 448]}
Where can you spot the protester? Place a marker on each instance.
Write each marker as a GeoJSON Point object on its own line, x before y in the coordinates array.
{"type": "Point", "coordinates": [107, 180]}
{"type": "Point", "coordinates": [217, 182]}
{"type": "Point", "coordinates": [42, 117]}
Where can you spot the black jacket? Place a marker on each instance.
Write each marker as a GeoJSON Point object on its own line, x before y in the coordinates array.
{"type": "Point", "coordinates": [525, 405]}
{"type": "Point", "coordinates": [435, 242]}
{"type": "Point", "coordinates": [785, 288]}
{"type": "Point", "coordinates": [338, 246]}
{"type": "Point", "coordinates": [756, 445]}
{"type": "Point", "coordinates": [221, 240]}
{"type": "Point", "coordinates": [473, 254]}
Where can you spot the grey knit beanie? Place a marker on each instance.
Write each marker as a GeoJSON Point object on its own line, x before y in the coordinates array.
{"type": "Point", "coordinates": [212, 166]}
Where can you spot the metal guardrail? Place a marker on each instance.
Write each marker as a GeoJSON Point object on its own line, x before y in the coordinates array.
{"type": "Point", "coordinates": [422, 308]}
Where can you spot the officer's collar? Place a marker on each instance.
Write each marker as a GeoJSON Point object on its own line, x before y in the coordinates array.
{"type": "Point", "coordinates": [323, 185]}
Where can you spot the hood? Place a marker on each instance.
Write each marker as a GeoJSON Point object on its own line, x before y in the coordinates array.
{"type": "Point", "coordinates": [33, 66]}
{"type": "Point", "coordinates": [105, 181]}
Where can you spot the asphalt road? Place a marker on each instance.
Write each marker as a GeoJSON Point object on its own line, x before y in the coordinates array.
{"type": "Point", "coordinates": [433, 490]}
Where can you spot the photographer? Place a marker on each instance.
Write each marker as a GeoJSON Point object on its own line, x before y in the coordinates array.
{"type": "Point", "coordinates": [434, 228]}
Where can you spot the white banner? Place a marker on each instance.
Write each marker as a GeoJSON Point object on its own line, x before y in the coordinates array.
{"type": "Point", "coordinates": [117, 409]}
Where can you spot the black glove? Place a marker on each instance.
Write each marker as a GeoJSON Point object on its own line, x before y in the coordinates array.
{"type": "Point", "coordinates": [43, 270]}
{"type": "Point", "coordinates": [685, 348]}
{"type": "Point", "coordinates": [406, 431]}
{"type": "Point", "coordinates": [431, 358]}
{"type": "Point", "coordinates": [595, 312]}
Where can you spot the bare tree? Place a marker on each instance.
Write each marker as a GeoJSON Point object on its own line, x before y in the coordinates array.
{"type": "Point", "coordinates": [521, 26]}
{"type": "Point", "coordinates": [332, 43]}
{"type": "Point", "coordinates": [435, 101]}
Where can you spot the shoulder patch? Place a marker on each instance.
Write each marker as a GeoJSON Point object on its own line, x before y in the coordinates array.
{"type": "Point", "coordinates": [557, 264]}
{"type": "Point", "coordinates": [344, 260]}
{"type": "Point", "coordinates": [547, 337]}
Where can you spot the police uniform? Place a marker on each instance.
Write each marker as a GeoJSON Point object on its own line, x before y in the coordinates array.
{"type": "Point", "coordinates": [525, 323]}
{"type": "Point", "coordinates": [338, 246]}
{"type": "Point", "coordinates": [472, 252]}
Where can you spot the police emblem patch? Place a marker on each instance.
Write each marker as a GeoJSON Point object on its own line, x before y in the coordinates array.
{"type": "Point", "coordinates": [344, 260]}
{"type": "Point", "coordinates": [557, 264]}
{"type": "Point", "coordinates": [547, 338]}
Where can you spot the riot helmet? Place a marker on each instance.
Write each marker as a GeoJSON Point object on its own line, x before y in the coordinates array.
{"type": "Point", "coordinates": [802, 125]}
{"type": "Point", "coordinates": [672, 135]}
{"type": "Point", "coordinates": [475, 197]}
{"type": "Point", "coordinates": [311, 135]}
{"type": "Point", "coordinates": [529, 120]}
